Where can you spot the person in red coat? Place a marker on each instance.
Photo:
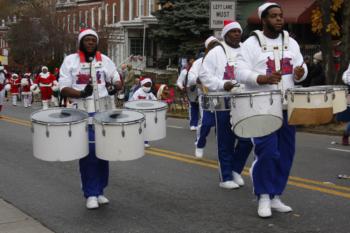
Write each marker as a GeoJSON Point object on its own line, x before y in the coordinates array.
{"type": "Point", "coordinates": [14, 82]}
{"type": "Point", "coordinates": [26, 83]}
{"type": "Point", "coordinates": [46, 82]}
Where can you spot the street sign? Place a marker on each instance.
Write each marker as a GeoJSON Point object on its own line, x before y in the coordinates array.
{"type": "Point", "coordinates": [221, 10]}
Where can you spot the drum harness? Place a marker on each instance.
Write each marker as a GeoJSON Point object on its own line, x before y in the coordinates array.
{"type": "Point", "coordinates": [276, 49]}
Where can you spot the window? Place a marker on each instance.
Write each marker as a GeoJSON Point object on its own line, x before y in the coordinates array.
{"type": "Point", "coordinates": [131, 8]}
{"type": "Point", "coordinates": [106, 14]}
{"type": "Point", "coordinates": [121, 10]}
{"type": "Point", "coordinates": [74, 22]}
{"type": "Point", "coordinates": [80, 20]}
{"type": "Point", "coordinates": [141, 8]}
{"type": "Point", "coordinates": [136, 46]}
{"type": "Point", "coordinates": [99, 16]}
{"type": "Point", "coordinates": [86, 18]}
{"type": "Point", "coordinates": [68, 23]}
{"type": "Point", "coordinates": [113, 13]}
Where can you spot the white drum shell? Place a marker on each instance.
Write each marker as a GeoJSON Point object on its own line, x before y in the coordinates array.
{"type": "Point", "coordinates": [155, 124]}
{"type": "Point", "coordinates": [340, 100]}
{"type": "Point", "coordinates": [259, 119]}
{"type": "Point", "coordinates": [310, 106]}
{"type": "Point", "coordinates": [58, 145]}
{"type": "Point", "coordinates": [114, 147]}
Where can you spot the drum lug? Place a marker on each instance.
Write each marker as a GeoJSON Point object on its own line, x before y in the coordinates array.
{"type": "Point", "coordinates": [233, 102]}
{"type": "Point", "coordinates": [292, 97]}
{"type": "Point", "coordinates": [333, 96]}
{"type": "Point", "coordinates": [103, 130]}
{"type": "Point", "coordinates": [140, 129]}
{"type": "Point", "coordinates": [271, 99]}
{"type": "Point", "coordinates": [308, 97]}
{"type": "Point", "coordinates": [251, 100]}
{"type": "Point", "coordinates": [145, 125]}
{"type": "Point", "coordinates": [326, 97]}
{"type": "Point", "coordinates": [70, 130]}
{"type": "Point", "coordinates": [156, 119]}
{"type": "Point", "coordinates": [32, 127]}
{"type": "Point", "coordinates": [47, 131]}
{"type": "Point", "coordinates": [123, 132]}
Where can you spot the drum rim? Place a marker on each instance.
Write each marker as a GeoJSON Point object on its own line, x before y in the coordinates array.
{"type": "Point", "coordinates": [311, 92]}
{"type": "Point", "coordinates": [257, 93]}
{"type": "Point", "coordinates": [146, 110]}
{"type": "Point", "coordinates": [59, 123]}
{"type": "Point", "coordinates": [142, 119]}
{"type": "Point", "coordinates": [217, 94]}
{"type": "Point", "coordinates": [333, 87]}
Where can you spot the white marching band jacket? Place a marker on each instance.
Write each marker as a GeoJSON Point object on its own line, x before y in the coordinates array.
{"type": "Point", "coordinates": [218, 67]}
{"type": "Point", "coordinates": [263, 56]}
{"type": "Point", "coordinates": [75, 73]}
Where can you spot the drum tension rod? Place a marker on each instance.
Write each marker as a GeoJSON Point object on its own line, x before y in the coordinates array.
{"type": "Point", "coordinates": [123, 131]}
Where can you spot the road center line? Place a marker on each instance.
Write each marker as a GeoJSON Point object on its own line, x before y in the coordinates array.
{"type": "Point", "coordinates": [336, 149]}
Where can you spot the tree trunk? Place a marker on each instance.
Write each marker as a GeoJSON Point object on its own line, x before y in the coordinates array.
{"type": "Point", "coordinates": [326, 42]}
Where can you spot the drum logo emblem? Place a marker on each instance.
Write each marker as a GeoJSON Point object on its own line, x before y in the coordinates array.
{"type": "Point", "coordinates": [229, 72]}
{"type": "Point", "coordinates": [287, 67]}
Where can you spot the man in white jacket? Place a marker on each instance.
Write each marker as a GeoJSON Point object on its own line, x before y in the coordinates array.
{"type": "Point", "coordinates": [76, 82]}
{"type": "Point", "coordinates": [270, 60]}
{"type": "Point", "coordinates": [217, 74]}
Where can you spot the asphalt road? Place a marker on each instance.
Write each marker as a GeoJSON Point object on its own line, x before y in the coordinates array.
{"type": "Point", "coordinates": [169, 191]}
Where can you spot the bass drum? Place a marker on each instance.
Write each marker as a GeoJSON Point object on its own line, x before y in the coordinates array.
{"type": "Point", "coordinates": [119, 135]}
{"type": "Point", "coordinates": [60, 134]}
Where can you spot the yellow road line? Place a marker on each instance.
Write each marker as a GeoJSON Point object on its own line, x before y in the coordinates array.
{"type": "Point", "coordinates": [294, 181]}
{"type": "Point", "coordinates": [246, 169]}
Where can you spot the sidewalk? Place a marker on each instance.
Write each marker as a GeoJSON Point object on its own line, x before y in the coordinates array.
{"type": "Point", "coordinates": [12, 220]}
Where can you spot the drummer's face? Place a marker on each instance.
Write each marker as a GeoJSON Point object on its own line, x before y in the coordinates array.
{"type": "Point", "coordinates": [234, 36]}
{"type": "Point", "coordinates": [90, 43]}
{"type": "Point", "coordinates": [274, 19]}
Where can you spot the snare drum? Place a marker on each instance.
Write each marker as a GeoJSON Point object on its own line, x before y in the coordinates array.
{"type": "Point", "coordinates": [310, 105]}
{"type": "Point", "coordinates": [216, 101]}
{"type": "Point", "coordinates": [155, 113]}
{"type": "Point", "coordinates": [60, 134]}
{"type": "Point", "coordinates": [256, 114]}
{"type": "Point", "coordinates": [88, 105]}
{"type": "Point", "coordinates": [119, 135]}
{"type": "Point", "coordinates": [339, 97]}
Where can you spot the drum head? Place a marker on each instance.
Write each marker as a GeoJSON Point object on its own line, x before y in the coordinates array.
{"type": "Point", "coordinates": [118, 116]}
{"type": "Point", "coordinates": [59, 115]}
{"type": "Point", "coordinates": [145, 104]}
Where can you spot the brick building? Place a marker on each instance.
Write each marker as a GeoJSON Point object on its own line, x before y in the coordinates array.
{"type": "Point", "coordinates": [122, 25]}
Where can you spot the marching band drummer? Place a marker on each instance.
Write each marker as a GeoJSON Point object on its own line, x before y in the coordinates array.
{"type": "Point", "coordinates": [217, 74]}
{"type": "Point", "coordinates": [75, 82]}
{"type": "Point", "coordinates": [256, 68]}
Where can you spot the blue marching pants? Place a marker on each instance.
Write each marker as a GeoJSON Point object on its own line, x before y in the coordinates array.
{"type": "Point", "coordinates": [231, 157]}
{"type": "Point", "coordinates": [207, 121]}
{"type": "Point", "coordinates": [94, 172]}
{"type": "Point", "coordinates": [194, 113]}
{"type": "Point", "coordinates": [274, 155]}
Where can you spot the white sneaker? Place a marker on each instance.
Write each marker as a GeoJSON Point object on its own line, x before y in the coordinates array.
{"type": "Point", "coordinates": [237, 178]}
{"type": "Point", "coordinates": [102, 200]}
{"type": "Point", "coordinates": [91, 203]}
{"type": "Point", "coordinates": [264, 208]}
{"type": "Point", "coordinates": [199, 153]}
{"type": "Point", "coordinates": [230, 184]}
{"type": "Point", "coordinates": [279, 206]}
{"type": "Point", "coordinates": [193, 128]}
{"type": "Point", "coordinates": [147, 145]}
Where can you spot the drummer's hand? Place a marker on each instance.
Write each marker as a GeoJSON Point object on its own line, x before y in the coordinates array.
{"type": "Point", "coordinates": [228, 86]}
{"type": "Point", "coordinates": [273, 78]}
{"type": "Point", "coordinates": [299, 72]}
{"type": "Point", "coordinates": [88, 90]}
{"type": "Point", "coordinates": [198, 81]}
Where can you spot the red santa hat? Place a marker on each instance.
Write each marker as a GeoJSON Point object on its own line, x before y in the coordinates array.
{"type": "Point", "coordinates": [14, 75]}
{"type": "Point", "coordinates": [27, 74]}
{"type": "Point", "coordinates": [87, 32]}
{"type": "Point", "coordinates": [229, 25]}
{"type": "Point", "coordinates": [44, 67]}
{"type": "Point", "coordinates": [209, 40]}
{"type": "Point", "coordinates": [144, 80]}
